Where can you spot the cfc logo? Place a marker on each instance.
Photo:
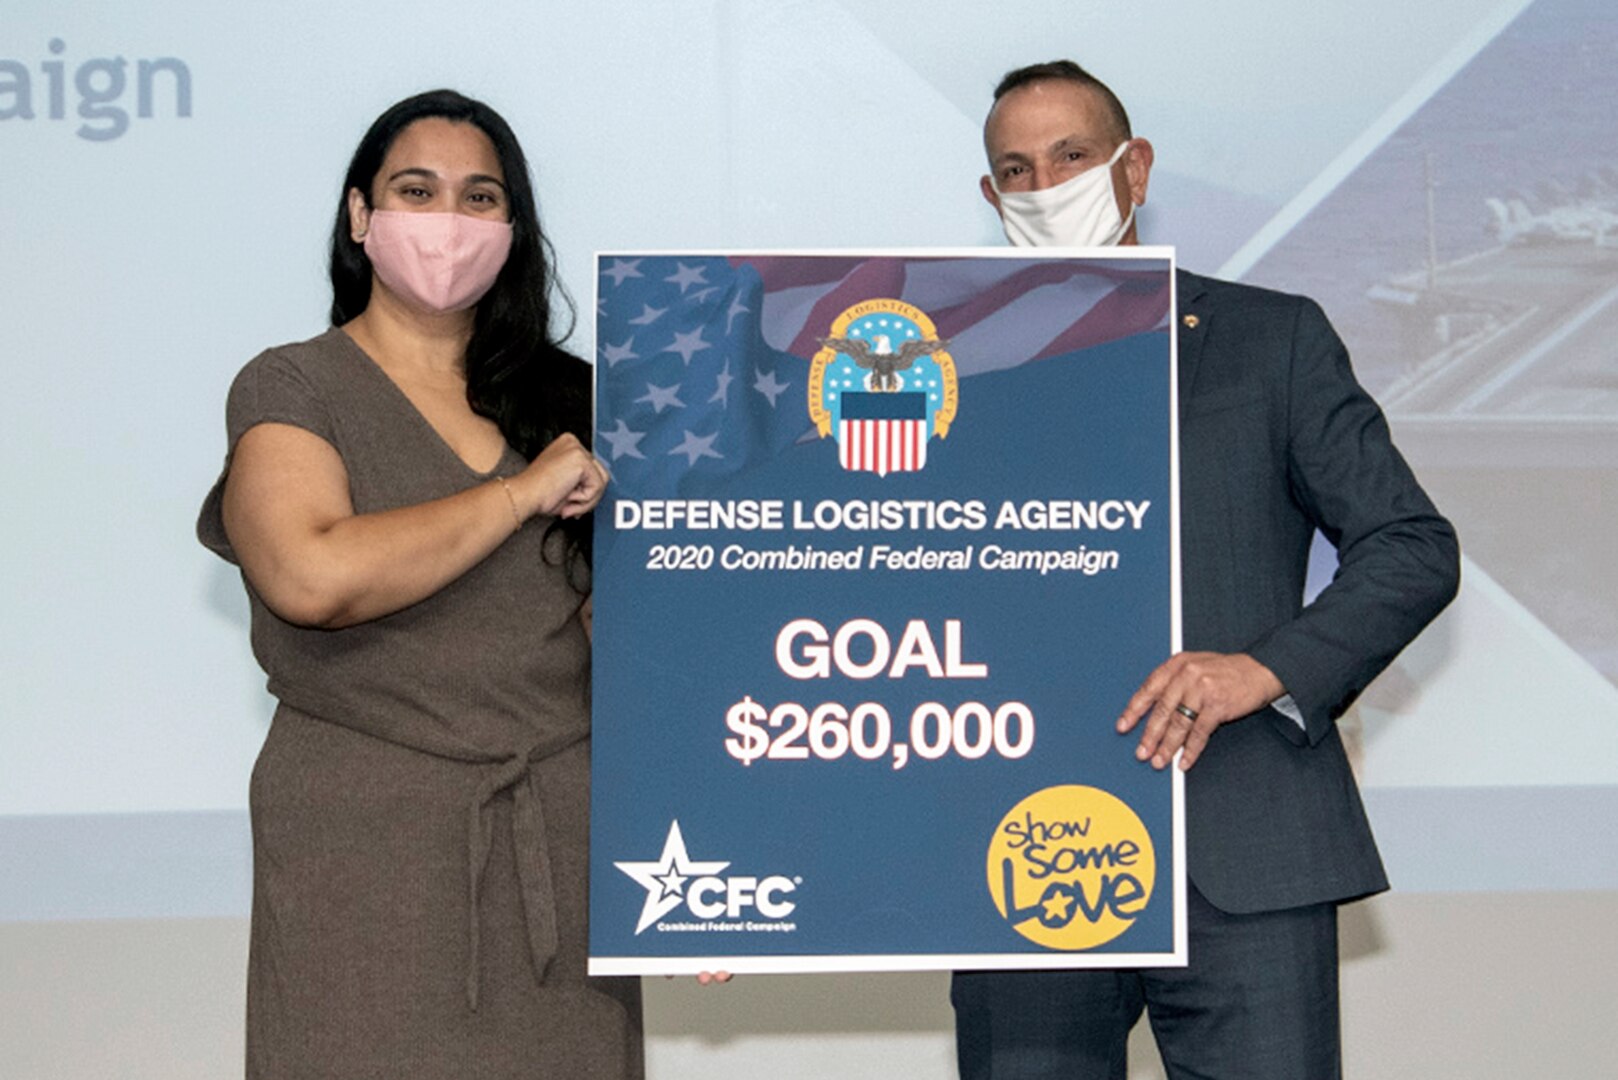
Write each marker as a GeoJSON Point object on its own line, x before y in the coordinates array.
{"type": "Point", "coordinates": [1071, 867]}
{"type": "Point", "coordinates": [676, 880]}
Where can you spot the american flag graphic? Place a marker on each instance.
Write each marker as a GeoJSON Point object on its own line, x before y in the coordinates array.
{"type": "Point", "coordinates": [703, 360]}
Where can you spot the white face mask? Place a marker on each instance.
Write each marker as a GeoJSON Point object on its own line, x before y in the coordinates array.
{"type": "Point", "coordinates": [1081, 212]}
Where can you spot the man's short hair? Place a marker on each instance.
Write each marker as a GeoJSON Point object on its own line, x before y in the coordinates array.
{"type": "Point", "coordinates": [1067, 71]}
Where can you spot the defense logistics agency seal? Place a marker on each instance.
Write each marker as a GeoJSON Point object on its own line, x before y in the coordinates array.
{"type": "Point", "coordinates": [884, 385]}
{"type": "Point", "coordinates": [1071, 867]}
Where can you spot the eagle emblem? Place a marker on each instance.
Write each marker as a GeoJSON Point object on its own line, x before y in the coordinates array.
{"type": "Point", "coordinates": [882, 358]}
{"type": "Point", "coordinates": [883, 384]}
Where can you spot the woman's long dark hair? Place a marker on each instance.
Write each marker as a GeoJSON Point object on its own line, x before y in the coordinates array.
{"type": "Point", "coordinates": [517, 373]}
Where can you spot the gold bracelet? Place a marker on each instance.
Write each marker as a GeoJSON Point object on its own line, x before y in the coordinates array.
{"type": "Point", "coordinates": [512, 499]}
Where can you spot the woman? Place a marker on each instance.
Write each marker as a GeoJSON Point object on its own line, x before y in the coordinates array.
{"type": "Point", "coordinates": [405, 495]}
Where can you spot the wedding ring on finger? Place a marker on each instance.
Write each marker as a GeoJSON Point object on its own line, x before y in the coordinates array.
{"type": "Point", "coordinates": [1187, 711]}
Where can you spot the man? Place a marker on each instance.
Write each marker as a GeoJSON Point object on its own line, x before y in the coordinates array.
{"type": "Point", "coordinates": [1276, 440]}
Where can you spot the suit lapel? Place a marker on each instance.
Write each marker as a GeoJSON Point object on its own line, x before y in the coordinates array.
{"type": "Point", "coordinates": [1192, 329]}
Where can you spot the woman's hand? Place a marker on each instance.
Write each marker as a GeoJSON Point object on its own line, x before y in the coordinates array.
{"type": "Point", "coordinates": [565, 480]}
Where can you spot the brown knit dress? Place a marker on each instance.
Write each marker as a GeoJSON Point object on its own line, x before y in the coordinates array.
{"type": "Point", "coordinates": [421, 804]}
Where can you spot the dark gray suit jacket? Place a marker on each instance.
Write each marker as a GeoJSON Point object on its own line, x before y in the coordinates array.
{"type": "Point", "coordinates": [1277, 439]}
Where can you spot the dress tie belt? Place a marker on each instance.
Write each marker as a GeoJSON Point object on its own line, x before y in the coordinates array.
{"type": "Point", "coordinates": [535, 883]}
{"type": "Point", "coordinates": [502, 770]}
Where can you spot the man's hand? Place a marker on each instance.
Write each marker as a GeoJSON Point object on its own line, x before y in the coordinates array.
{"type": "Point", "coordinates": [1189, 695]}
{"type": "Point", "coordinates": [710, 978]}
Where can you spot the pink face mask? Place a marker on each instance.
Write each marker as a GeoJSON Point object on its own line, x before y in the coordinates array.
{"type": "Point", "coordinates": [437, 262]}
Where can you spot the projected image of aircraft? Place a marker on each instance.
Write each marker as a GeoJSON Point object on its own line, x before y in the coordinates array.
{"type": "Point", "coordinates": [1579, 220]}
{"type": "Point", "coordinates": [1470, 261]}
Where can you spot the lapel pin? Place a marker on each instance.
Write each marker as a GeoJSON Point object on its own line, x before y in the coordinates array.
{"type": "Point", "coordinates": [1190, 322]}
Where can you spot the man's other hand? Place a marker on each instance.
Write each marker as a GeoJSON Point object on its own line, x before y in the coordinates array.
{"type": "Point", "coordinates": [1188, 696]}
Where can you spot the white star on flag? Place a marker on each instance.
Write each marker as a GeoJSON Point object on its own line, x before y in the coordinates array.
{"type": "Point", "coordinates": [686, 276]}
{"type": "Point", "coordinates": [613, 353]}
{"type": "Point", "coordinates": [648, 315]}
{"type": "Point", "coordinates": [624, 442]}
{"type": "Point", "coordinates": [661, 397]}
{"type": "Point", "coordinates": [688, 344]}
{"type": "Point", "coordinates": [697, 446]}
{"type": "Point", "coordinates": [622, 268]}
{"type": "Point", "coordinates": [767, 385]}
{"type": "Point", "coordinates": [724, 379]}
{"type": "Point", "coordinates": [664, 879]}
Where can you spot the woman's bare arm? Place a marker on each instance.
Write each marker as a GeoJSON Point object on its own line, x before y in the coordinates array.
{"type": "Point", "coordinates": [317, 563]}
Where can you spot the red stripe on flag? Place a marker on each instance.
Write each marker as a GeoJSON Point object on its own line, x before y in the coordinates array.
{"type": "Point", "coordinates": [872, 277]}
{"type": "Point", "coordinates": [1132, 308]}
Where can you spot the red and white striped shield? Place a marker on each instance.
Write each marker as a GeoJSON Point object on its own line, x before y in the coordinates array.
{"type": "Point", "coordinates": [882, 446]}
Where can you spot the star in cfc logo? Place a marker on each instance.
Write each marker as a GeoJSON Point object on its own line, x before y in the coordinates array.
{"type": "Point", "coordinates": [1071, 867]}
{"type": "Point", "coordinates": [676, 880]}
{"type": "Point", "coordinates": [883, 385]}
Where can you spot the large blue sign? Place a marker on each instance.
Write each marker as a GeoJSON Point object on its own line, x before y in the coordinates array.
{"type": "Point", "coordinates": [889, 543]}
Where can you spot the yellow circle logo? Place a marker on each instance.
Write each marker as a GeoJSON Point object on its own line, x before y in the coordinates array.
{"type": "Point", "coordinates": [1071, 867]}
